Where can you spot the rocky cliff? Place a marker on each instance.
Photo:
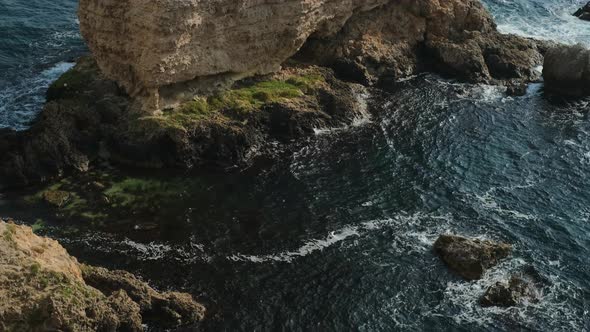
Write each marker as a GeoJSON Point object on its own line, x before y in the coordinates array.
{"type": "Point", "coordinates": [166, 49]}
{"type": "Point", "coordinates": [192, 68]}
{"type": "Point", "coordinates": [43, 288]}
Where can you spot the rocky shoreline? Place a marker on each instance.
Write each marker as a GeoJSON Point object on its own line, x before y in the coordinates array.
{"type": "Point", "coordinates": [189, 109]}
{"type": "Point", "coordinates": [92, 116]}
{"type": "Point", "coordinates": [43, 288]}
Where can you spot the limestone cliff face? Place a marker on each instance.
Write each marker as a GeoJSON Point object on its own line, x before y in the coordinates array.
{"type": "Point", "coordinates": [154, 47]}
{"type": "Point", "coordinates": [146, 44]}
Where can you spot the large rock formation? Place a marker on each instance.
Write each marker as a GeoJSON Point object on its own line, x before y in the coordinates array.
{"type": "Point", "coordinates": [175, 60]}
{"type": "Point", "coordinates": [517, 290]}
{"type": "Point", "coordinates": [87, 121]}
{"type": "Point", "coordinates": [147, 44]}
{"type": "Point", "coordinates": [155, 48]}
{"type": "Point", "coordinates": [567, 70]}
{"type": "Point", "coordinates": [42, 288]}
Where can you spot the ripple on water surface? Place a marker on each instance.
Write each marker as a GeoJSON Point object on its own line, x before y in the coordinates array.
{"type": "Point", "coordinates": [339, 235]}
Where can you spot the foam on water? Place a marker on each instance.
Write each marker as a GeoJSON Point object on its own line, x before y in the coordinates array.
{"type": "Point", "coordinates": [21, 102]}
{"type": "Point", "coordinates": [541, 19]}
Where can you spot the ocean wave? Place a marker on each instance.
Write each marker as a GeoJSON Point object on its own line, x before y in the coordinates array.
{"type": "Point", "coordinates": [410, 239]}
{"type": "Point", "coordinates": [20, 103]}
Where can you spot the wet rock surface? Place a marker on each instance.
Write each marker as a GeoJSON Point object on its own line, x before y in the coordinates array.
{"type": "Point", "coordinates": [89, 120]}
{"type": "Point", "coordinates": [514, 292]}
{"type": "Point", "coordinates": [470, 258]}
{"type": "Point", "coordinates": [43, 288]}
{"type": "Point", "coordinates": [516, 89]}
{"type": "Point", "coordinates": [566, 70]}
{"type": "Point", "coordinates": [583, 13]}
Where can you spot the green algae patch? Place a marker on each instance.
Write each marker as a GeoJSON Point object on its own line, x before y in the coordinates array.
{"type": "Point", "coordinates": [75, 80]}
{"type": "Point", "coordinates": [143, 194]}
{"type": "Point", "coordinates": [38, 226]}
{"type": "Point", "coordinates": [8, 234]}
{"type": "Point", "coordinates": [101, 198]}
{"type": "Point", "coordinates": [241, 99]}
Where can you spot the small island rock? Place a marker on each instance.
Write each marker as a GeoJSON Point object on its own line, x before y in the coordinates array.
{"type": "Point", "coordinates": [517, 290]}
{"type": "Point", "coordinates": [470, 258]}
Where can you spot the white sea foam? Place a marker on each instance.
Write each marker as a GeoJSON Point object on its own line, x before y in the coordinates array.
{"type": "Point", "coordinates": [409, 237]}
{"type": "Point", "coordinates": [466, 295]}
{"type": "Point", "coordinates": [20, 103]}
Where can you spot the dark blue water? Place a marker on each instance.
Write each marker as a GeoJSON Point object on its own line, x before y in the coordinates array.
{"type": "Point", "coordinates": [38, 39]}
{"type": "Point", "coordinates": [339, 235]}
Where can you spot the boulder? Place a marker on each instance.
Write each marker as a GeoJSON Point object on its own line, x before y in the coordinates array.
{"type": "Point", "coordinates": [566, 70]}
{"type": "Point", "coordinates": [146, 44]}
{"type": "Point", "coordinates": [508, 294]}
{"type": "Point", "coordinates": [43, 288]}
{"type": "Point", "coordinates": [583, 13]}
{"type": "Point", "coordinates": [470, 258]}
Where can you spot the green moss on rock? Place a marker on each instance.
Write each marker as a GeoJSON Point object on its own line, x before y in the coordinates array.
{"type": "Point", "coordinates": [74, 81]}
{"type": "Point", "coordinates": [241, 99]}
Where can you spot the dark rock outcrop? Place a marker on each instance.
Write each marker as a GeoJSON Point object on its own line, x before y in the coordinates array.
{"type": "Point", "coordinates": [516, 89]}
{"type": "Point", "coordinates": [507, 294]}
{"type": "Point", "coordinates": [88, 119]}
{"type": "Point", "coordinates": [470, 258]}
{"type": "Point", "coordinates": [567, 71]}
{"type": "Point", "coordinates": [583, 13]}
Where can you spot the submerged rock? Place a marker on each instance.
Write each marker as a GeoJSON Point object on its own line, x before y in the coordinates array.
{"type": "Point", "coordinates": [583, 13]}
{"type": "Point", "coordinates": [470, 258]}
{"type": "Point", "coordinates": [507, 294]}
{"type": "Point", "coordinates": [567, 70]}
{"type": "Point", "coordinates": [516, 89]}
{"type": "Point", "coordinates": [43, 288]}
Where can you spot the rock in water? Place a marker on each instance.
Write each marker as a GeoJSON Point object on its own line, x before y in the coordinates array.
{"type": "Point", "coordinates": [516, 291]}
{"type": "Point", "coordinates": [470, 258]}
{"type": "Point", "coordinates": [583, 13]}
{"type": "Point", "coordinates": [567, 70]}
{"type": "Point", "coordinates": [43, 288]}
